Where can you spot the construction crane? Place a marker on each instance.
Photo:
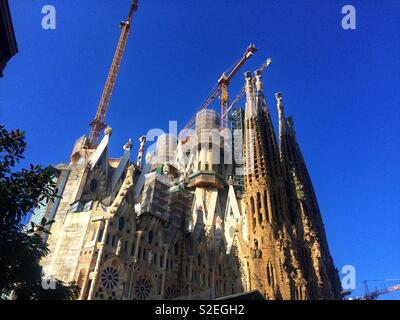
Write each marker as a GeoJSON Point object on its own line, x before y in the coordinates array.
{"type": "Point", "coordinates": [373, 295]}
{"type": "Point", "coordinates": [222, 88]}
{"type": "Point", "coordinates": [97, 125]}
{"type": "Point", "coordinates": [224, 82]}
{"type": "Point", "coordinates": [265, 65]}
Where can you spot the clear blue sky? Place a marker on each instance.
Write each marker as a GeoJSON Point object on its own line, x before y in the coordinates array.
{"type": "Point", "coordinates": [342, 87]}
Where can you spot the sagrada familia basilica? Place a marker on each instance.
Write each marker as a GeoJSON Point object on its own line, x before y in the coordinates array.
{"type": "Point", "coordinates": [202, 217]}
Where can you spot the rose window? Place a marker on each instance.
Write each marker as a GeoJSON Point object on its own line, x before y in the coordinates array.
{"type": "Point", "coordinates": [171, 293]}
{"type": "Point", "coordinates": [109, 278]}
{"type": "Point", "coordinates": [142, 289]}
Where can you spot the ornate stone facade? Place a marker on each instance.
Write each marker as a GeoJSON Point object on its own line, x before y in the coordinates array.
{"type": "Point", "coordinates": [317, 263]}
{"type": "Point", "coordinates": [289, 257]}
{"type": "Point", "coordinates": [182, 229]}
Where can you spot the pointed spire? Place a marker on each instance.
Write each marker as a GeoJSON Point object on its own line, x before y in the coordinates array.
{"type": "Point", "coordinates": [251, 110]}
{"type": "Point", "coordinates": [279, 104]}
{"type": "Point", "coordinates": [125, 159]}
{"type": "Point", "coordinates": [108, 131]}
{"type": "Point", "coordinates": [261, 102]}
{"type": "Point", "coordinates": [139, 159]}
{"type": "Point", "coordinates": [259, 85]}
{"type": "Point", "coordinates": [284, 127]}
{"type": "Point", "coordinates": [128, 145]}
{"type": "Point", "coordinates": [290, 124]}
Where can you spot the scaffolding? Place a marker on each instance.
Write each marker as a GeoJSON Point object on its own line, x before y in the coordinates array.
{"type": "Point", "coordinates": [237, 121]}
{"type": "Point", "coordinates": [180, 202]}
{"type": "Point", "coordinates": [207, 119]}
{"type": "Point", "coordinates": [155, 196]}
{"type": "Point", "coordinates": [166, 148]}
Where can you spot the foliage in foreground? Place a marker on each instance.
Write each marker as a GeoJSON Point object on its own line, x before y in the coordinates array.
{"type": "Point", "coordinates": [21, 190]}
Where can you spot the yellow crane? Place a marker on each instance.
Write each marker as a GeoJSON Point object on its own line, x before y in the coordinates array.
{"type": "Point", "coordinates": [225, 80]}
{"type": "Point", "coordinates": [97, 125]}
{"type": "Point", "coordinates": [373, 295]}
{"type": "Point", "coordinates": [222, 88]}
{"type": "Point", "coordinates": [265, 65]}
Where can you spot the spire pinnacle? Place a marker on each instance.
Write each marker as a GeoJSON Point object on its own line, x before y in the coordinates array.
{"type": "Point", "coordinates": [258, 76]}
{"type": "Point", "coordinates": [108, 131]}
{"type": "Point", "coordinates": [284, 127]}
{"type": "Point", "coordinates": [279, 104]}
{"type": "Point", "coordinates": [290, 123]}
{"type": "Point", "coordinates": [249, 85]}
{"type": "Point", "coordinates": [139, 160]}
{"type": "Point", "coordinates": [128, 145]}
{"type": "Point", "coordinates": [251, 109]}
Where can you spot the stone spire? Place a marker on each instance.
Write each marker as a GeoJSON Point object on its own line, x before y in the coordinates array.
{"type": "Point", "coordinates": [271, 253]}
{"type": "Point", "coordinates": [281, 114]}
{"type": "Point", "coordinates": [286, 125]}
{"type": "Point", "coordinates": [259, 85]}
{"type": "Point", "coordinates": [251, 109]}
{"type": "Point", "coordinates": [270, 143]}
{"type": "Point", "coordinates": [260, 98]}
{"type": "Point", "coordinates": [305, 213]}
{"type": "Point", "coordinates": [139, 159]}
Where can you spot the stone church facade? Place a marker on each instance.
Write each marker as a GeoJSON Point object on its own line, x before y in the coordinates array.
{"type": "Point", "coordinates": [176, 226]}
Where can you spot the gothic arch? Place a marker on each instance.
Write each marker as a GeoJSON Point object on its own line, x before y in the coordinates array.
{"type": "Point", "coordinates": [144, 286]}
{"type": "Point", "coordinates": [111, 280]}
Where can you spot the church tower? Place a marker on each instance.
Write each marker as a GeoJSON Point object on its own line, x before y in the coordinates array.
{"type": "Point", "coordinates": [274, 268]}
{"type": "Point", "coordinates": [317, 262]}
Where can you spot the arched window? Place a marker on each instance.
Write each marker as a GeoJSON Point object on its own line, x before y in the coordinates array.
{"type": "Point", "coordinates": [176, 249]}
{"type": "Point", "coordinates": [270, 274]}
{"type": "Point", "coordinates": [150, 237]}
{"type": "Point", "coordinates": [121, 223]}
{"type": "Point", "coordinates": [266, 206]}
{"type": "Point", "coordinates": [305, 258]}
{"type": "Point", "coordinates": [252, 213]}
{"type": "Point", "coordinates": [260, 217]}
{"type": "Point", "coordinates": [252, 205]}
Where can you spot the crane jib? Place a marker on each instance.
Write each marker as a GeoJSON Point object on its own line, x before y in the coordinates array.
{"type": "Point", "coordinates": [222, 87]}
{"type": "Point", "coordinates": [98, 123]}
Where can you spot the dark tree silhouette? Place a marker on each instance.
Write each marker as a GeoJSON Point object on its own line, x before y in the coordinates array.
{"type": "Point", "coordinates": [21, 190]}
